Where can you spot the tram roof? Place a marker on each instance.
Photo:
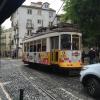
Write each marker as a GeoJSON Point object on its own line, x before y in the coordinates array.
{"type": "Point", "coordinates": [64, 27]}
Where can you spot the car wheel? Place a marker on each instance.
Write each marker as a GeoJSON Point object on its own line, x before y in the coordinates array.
{"type": "Point", "coordinates": [93, 87]}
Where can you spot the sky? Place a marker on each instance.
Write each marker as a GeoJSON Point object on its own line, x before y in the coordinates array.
{"type": "Point", "coordinates": [55, 4]}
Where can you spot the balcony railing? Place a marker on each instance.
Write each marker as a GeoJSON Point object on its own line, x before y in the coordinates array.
{"type": "Point", "coordinates": [16, 26]}
{"type": "Point", "coordinates": [29, 26]}
{"type": "Point", "coordinates": [16, 36]}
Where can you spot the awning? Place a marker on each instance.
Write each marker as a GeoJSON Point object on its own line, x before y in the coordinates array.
{"type": "Point", "coordinates": [7, 7]}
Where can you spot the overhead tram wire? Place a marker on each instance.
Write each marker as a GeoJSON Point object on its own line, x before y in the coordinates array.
{"type": "Point", "coordinates": [58, 10]}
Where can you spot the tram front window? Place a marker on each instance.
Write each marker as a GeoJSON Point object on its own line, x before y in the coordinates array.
{"type": "Point", "coordinates": [54, 42]}
{"type": "Point", "coordinates": [75, 42]}
{"type": "Point", "coordinates": [66, 41]}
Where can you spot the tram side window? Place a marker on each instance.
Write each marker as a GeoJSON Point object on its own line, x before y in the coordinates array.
{"type": "Point", "coordinates": [38, 47]}
{"type": "Point", "coordinates": [66, 41]}
{"type": "Point", "coordinates": [28, 47]}
{"type": "Point", "coordinates": [34, 48]}
{"type": "Point", "coordinates": [75, 42]}
{"type": "Point", "coordinates": [44, 45]}
{"type": "Point", "coordinates": [31, 46]}
{"type": "Point", "coordinates": [38, 42]}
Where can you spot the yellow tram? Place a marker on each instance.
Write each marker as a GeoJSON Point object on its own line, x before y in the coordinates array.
{"type": "Point", "coordinates": [60, 45]}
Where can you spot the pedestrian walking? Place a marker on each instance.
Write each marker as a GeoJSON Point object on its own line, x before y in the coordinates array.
{"type": "Point", "coordinates": [92, 55]}
{"type": "Point", "coordinates": [83, 56]}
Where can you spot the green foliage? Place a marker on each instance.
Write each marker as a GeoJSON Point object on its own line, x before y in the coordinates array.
{"type": "Point", "coordinates": [85, 13]}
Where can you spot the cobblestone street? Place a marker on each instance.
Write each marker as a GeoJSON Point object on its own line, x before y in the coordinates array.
{"type": "Point", "coordinates": [37, 84]}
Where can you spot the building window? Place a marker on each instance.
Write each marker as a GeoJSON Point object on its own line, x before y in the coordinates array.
{"type": "Point", "coordinates": [29, 11]}
{"type": "Point", "coordinates": [39, 21]}
{"type": "Point", "coordinates": [50, 23]}
{"type": "Point", "coordinates": [50, 14]}
{"type": "Point", "coordinates": [29, 24]}
{"type": "Point", "coordinates": [29, 32]}
{"type": "Point", "coordinates": [42, 23]}
{"type": "Point", "coordinates": [46, 5]}
{"type": "Point", "coordinates": [39, 12]}
{"type": "Point", "coordinates": [29, 21]}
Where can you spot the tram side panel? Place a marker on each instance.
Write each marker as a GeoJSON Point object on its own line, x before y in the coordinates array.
{"type": "Point", "coordinates": [66, 59]}
{"type": "Point", "coordinates": [37, 57]}
{"type": "Point", "coordinates": [62, 58]}
{"type": "Point", "coordinates": [70, 59]}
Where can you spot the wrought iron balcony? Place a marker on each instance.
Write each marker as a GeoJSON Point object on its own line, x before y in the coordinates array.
{"type": "Point", "coordinates": [16, 36]}
{"type": "Point", "coordinates": [29, 26]}
{"type": "Point", "coordinates": [16, 26]}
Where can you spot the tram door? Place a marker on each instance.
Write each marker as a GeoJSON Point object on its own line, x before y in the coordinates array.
{"type": "Point", "coordinates": [54, 47]}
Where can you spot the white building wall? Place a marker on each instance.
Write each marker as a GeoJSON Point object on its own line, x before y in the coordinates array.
{"type": "Point", "coordinates": [21, 16]}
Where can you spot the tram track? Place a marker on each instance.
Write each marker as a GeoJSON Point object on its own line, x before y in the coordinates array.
{"type": "Point", "coordinates": [39, 85]}
{"type": "Point", "coordinates": [63, 88]}
{"type": "Point", "coordinates": [40, 89]}
{"type": "Point", "coordinates": [51, 89]}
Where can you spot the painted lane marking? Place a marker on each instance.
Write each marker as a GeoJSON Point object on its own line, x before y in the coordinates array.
{"type": "Point", "coordinates": [6, 83]}
{"type": "Point", "coordinates": [5, 92]}
{"type": "Point", "coordinates": [69, 93]}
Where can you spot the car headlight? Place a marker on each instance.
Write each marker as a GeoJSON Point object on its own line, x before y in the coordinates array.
{"type": "Point", "coordinates": [84, 68]}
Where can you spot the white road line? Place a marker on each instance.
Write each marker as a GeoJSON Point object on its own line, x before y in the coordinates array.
{"type": "Point", "coordinates": [35, 86]}
{"type": "Point", "coordinates": [0, 98]}
{"type": "Point", "coordinates": [5, 92]}
{"type": "Point", "coordinates": [61, 89]}
{"type": "Point", "coordinates": [69, 93]}
{"type": "Point", "coordinates": [5, 83]}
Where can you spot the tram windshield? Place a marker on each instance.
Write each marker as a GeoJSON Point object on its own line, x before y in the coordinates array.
{"type": "Point", "coordinates": [54, 42]}
{"type": "Point", "coordinates": [75, 42]}
{"type": "Point", "coordinates": [66, 41]}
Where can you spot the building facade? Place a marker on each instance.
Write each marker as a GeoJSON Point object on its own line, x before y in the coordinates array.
{"type": "Point", "coordinates": [28, 19]}
{"type": "Point", "coordinates": [6, 43]}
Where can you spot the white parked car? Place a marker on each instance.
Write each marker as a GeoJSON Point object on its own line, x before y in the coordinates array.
{"type": "Point", "coordinates": [90, 78]}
